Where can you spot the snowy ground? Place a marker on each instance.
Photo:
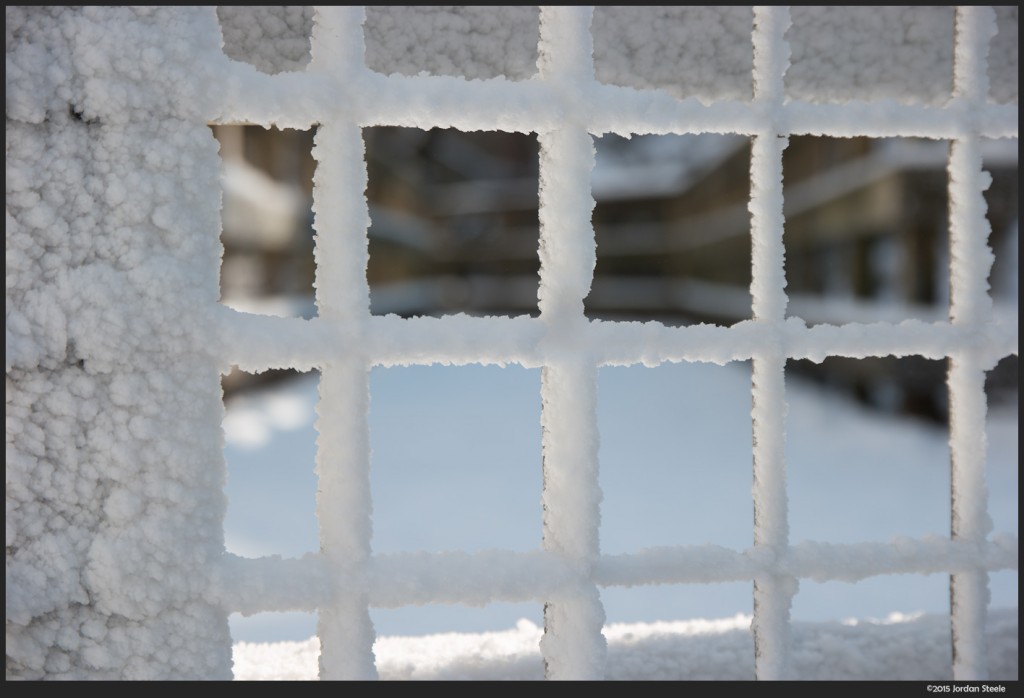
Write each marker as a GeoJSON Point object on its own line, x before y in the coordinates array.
{"type": "Point", "coordinates": [900, 648]}
{"type": "Point", "coordinates": [456, 466]}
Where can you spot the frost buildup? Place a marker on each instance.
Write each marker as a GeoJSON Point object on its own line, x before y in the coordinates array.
{"type": "Point", "coordinates": [274, 39]}
{"type": "Point", "coordinates": [114, 464]}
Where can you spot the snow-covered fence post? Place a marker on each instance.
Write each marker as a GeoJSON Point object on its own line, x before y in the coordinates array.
{"type": "Point", "coordinates": [114, 462]}
{"type": "Point", "coordinates": [773, 589]}
{"type": "Point", "coordinates": [573, 646]}
{"type": "Point", "coordinates": [343, 297]}
{"type": "Point", "coordinates": [970, 308]}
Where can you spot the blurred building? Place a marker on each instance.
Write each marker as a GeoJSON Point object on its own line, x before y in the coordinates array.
{"type": "Point", "coordinates": [453, 221]}
{"type": "Point", "coordinates": [267, 219]}
{"type": "Point", "coordinates": [454, 228]}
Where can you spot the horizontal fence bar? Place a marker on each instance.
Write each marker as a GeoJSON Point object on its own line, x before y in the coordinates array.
{"type": "Point", "coordinates": [464, 340]}
{"type": "Point", "coordinates": [255, 585]}
{"type": "Point", "coordinates": [302, 100]}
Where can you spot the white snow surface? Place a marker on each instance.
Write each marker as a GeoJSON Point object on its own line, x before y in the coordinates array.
{"type": "Point", "coordinates": [895, 648]}
{"type": "Point", "coordinates": [115, 341]}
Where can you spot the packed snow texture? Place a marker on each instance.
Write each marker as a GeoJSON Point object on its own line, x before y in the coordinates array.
{"type": "Point", "coordinates": [114, 338]}
{"type": "Point", "coordinates": [274, 39]}
{"type": "Point", "coordinates": [839, 53]}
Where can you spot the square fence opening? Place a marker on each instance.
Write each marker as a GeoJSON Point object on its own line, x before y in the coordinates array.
{"type": "Point", "coordinates": [267, 220]}
{"type": "Point", "coordinates": [911, 386]}
{"type": "Point", "coordinates": [498, 617]}
{"type": "Point", "coordinates": [270, 449]}
{"type": "Point", "coordinates": [272, 39]}
{"type": "Point", "coordinates": [883, 600]}
{"type": "Point", "coordinates": [901, 603]}
{"type": "Point", "coordinates": [284, 626]}
{"type": "Point", "coordinates": [1002, 203]}
{"type": "Point", "coordinates": [867, 223]}
{"type": "Point", "coordinates": [453, 40]}
{"type": "Point", "coordinates": [699, 650]}
{"type": "Point", "coordinates": [675, 457]}
{"type": "Point", "coordinates": [871, 53]}
{"type": "Point", "coordinates": [672, 229]}
{"type": "Point", "coordinates": [453, 222]}
{"type": "Point", "coordinates": [642, 47]}
{"type": "Point", "coordinates": [456, 461]}
{"type": "Point", "coordinates": [836, 445]}
{"type": "Point", "coordinates": [678, 602]}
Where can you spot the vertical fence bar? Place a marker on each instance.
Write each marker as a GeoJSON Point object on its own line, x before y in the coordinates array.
{"type": "Point", "coordinates": [342, 296]}
{"type": "Point", "coordinates": [573, 645]}
{"type": "Point", "coordinates": [970, 306]}
{"type": "Point", "coordinates": [773, 592]}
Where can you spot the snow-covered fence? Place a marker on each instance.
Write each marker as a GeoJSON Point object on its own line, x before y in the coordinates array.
{"type": "Point", "coordinates": [115, 341]}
